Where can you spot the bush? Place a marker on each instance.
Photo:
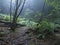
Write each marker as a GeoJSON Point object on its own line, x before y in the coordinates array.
{"type": "Point", "coordinates": [46, 25]}
{"type": "Point", "coordinates": [46, 29]}
{"type": "Point", "coordinates": [1, 17]}
{"type": "Point", "coordinates": [7, 18]}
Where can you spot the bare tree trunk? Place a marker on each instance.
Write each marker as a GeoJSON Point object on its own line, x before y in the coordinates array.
{"type": "Point", "coordinates": [13, 26]}
{"type": "Point", "coordinates": [21, 8]}
{"type": "Point", "coordinates": [10, 9]}
{"type": "Point", "coordinates": [16, 14]}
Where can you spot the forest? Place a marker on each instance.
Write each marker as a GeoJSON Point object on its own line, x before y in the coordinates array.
{"type": "Point", "coordinates": [29, 22]}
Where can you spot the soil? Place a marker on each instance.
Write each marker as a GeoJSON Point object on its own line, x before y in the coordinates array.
{"type": "Point", "coordinates": [21, 37]}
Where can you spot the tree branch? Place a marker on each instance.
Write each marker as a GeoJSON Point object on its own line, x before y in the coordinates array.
{"type": "Point", "coordinates": [21, 9]}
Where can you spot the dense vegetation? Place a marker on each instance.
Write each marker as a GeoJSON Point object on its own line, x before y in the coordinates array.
{"type": "Point", "coordinates": [42, 25]}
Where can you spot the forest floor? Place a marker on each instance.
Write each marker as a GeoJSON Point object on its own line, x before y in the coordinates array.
{"type": "Point", "coordinates": [20, 37]}
{"type": "Point", "coordinates": [15, 38]}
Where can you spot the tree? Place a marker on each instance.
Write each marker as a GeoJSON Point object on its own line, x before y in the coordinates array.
{"type": "Point", "coordinates": [19, 4]}
{"type": "Point", "coordinates": [10, 9]}
{"type": "Point", "coordinates": [54, 13]}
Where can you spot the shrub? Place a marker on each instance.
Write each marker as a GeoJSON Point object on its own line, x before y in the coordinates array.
{"type": "Point", "coordinates": [1, 17]}
{"type": "Point", "coordinates": [46, 29]}
{"type": "Point", "coordinates": [7, 18]}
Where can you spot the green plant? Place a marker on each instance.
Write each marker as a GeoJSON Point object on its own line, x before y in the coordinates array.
{"type": "Point", "coordinates": [7, 18]}
{"type": "Point", "coordinates": [32, 44]}
{"type": "Point", "coordinates": [2, 34]}
{"type": "Point", "coordinates": [1, 17]}
{"type": "Point", "coordinates": [46, 30]}
{"type": "Point", "coordinates": [53, 14]}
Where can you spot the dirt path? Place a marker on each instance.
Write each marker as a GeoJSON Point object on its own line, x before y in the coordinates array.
{"type": "Point", "coordinates": [16, 37]}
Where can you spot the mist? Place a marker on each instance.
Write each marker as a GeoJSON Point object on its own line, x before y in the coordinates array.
{"type": "Point", "coordinates": [30, 4]}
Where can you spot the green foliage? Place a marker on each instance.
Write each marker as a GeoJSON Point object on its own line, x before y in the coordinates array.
{"type": "Point", "coordinates": [20, 20]}
{"type": "Point", "coordinates": [46, 25]}
{"type": "Point", "coordinates": [7, 18]}
{"type": "Point", "coordinates": [1, 17]}
{"type": "Point", "coordinates": [2, 33]}
{"type": "Point", "coordinates": [54, 14]}
{"type": "Point", "coordinates": [29, 24]}
{"type": "Point", "coordinates": [4, 17]}
{"type": "Point", "coordinates": [46, 29]}
{"type": "Point", "coordinates": [54, 3]}
{"type": "Point", "coordinates": [32, 44]}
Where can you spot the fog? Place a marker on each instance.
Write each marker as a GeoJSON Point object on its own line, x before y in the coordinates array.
{"type": "Point", "coordinates": [36, 5]}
